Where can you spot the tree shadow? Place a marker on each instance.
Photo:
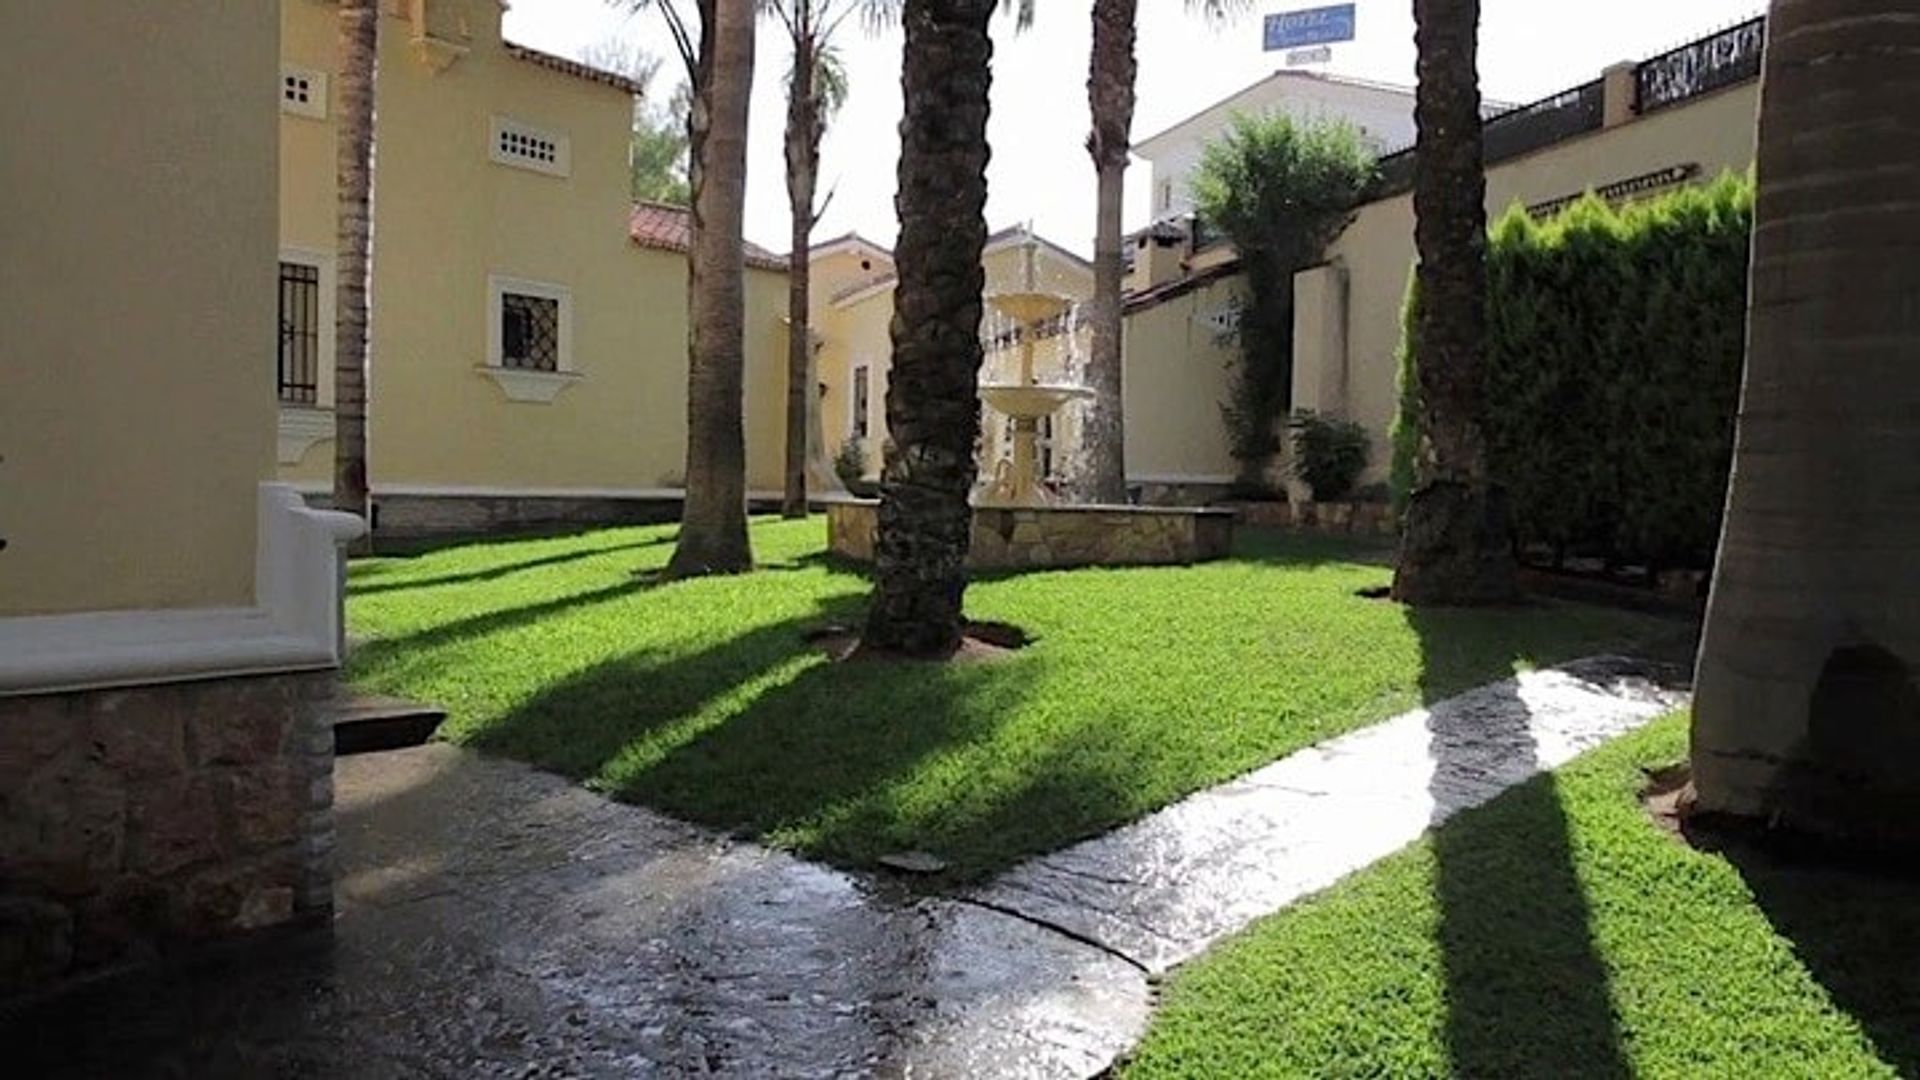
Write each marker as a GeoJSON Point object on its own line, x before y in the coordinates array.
{"type": "Point", "coordinates": [376, 653]}
{"type": "Point", "coordinates": [1526, 990]}
{"type": "Point", "coordinates": [501, 570]}
{"type": "Point", "coordinates": [1854, 923]}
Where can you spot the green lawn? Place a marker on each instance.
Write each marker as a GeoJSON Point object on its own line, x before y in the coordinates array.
{"type": "Point", "coordinates": [700, 697]}
{"type": "Point", "coordinates": [1558, 932]}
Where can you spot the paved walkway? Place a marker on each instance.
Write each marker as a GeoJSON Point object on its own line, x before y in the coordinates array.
{"type": "Point", "coordinates": [497, 921]}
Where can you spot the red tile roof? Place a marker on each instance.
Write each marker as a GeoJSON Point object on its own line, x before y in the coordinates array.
{"type": "Point", "coordinates": [574, 68]}
{"type": "Point", "coordinates": [669, 228]}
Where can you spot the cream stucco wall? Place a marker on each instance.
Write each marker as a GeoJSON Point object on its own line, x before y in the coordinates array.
{"type": "Point", "coordinates": [1376, 252]}
{"type": "Point", "coordinates": [136, 286]}
{"type": "Point", "coordinates": [1177, 368]}
{"type": "Point", "coordinates": [447, 218]}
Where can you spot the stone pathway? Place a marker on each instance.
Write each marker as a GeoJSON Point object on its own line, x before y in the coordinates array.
{"type": "Point", "coordinates": [497, 921]}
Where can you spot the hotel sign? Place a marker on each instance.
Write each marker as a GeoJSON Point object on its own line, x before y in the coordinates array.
{"type": "Point", "coordinates": [1313, 26]}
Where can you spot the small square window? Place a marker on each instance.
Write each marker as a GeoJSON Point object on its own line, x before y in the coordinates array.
{"type": "Point", "coordinates": [529, 332]}
{"type": "Point", "coordinates": [303, 92]}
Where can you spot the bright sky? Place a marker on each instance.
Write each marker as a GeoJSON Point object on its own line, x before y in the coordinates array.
{"type": "Point", "coordinates": [1040, 169]}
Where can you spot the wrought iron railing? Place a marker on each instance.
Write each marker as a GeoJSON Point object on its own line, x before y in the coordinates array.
{"type": "Point", "coordinates": [1701, 67]}
{"type": "Point", "coordinates": [1512, 133]}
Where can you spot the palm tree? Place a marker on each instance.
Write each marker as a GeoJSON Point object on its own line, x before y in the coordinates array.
{"type": "Point", "coordinates": [1454, 547]}
{"type": "Point", "coordinates": [359, 41]}
{"type": "Point", "coordinates": [1807, 710]}
{"type": "Point", "coordinates": [933, 408]}
{"type": "Point", "coordinates": [713, 520]}
{"type": "Point", "coordinates": [816, 88]}
{"type": "Point", "coordinates": [1110, 97]}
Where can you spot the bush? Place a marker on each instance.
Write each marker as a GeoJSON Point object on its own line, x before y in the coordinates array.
{"type": "Point", "coordinates": [850, 463]}
{"type": "Point", "coordinates": [1615, 339]}
{"type": "Point", "coordinates": [1329, 454]}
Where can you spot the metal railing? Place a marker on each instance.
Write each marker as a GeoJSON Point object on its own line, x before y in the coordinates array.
{"type": "Point", "coordinates": [1512, 133]}
{"type": "Point", "coordinates": [1701, 67]}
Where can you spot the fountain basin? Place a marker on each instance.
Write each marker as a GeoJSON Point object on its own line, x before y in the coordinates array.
{"type": "Point", "coordinates": [1041, 537]}
{"type": "Point", "coordinates": [1030, 402]}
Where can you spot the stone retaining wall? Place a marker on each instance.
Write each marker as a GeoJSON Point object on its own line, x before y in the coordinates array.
{"type": "Point", "coordinates": [1059, 536]}
{"type": "Point", "coordinates": [133, 819]}
{"type": "Point", "coordinates": [1360, 518]}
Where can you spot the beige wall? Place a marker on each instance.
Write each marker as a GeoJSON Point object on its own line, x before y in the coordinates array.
{"type": "Point", "coordinates": [1177, 368]}
{"type": "Point", "coordinates": [1376, 251]}
{"type": "Point", "coordinates": [447, 217]}
{"type": "Point", "coordinates": [136, 263]}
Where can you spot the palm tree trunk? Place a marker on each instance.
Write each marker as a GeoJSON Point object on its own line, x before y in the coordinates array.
{"type": "Point", "coordinates": [803, 162]}
{"type": "Point", "coordinates": [1110, 96]}
{"type": "Point", "coordinates": [713, 523]}
{"type": "Point", "coordinates": [359, 41]}
{"type": "Point", "coordinates": [933, 404]}
{"type": "Point", "coordinates": [1454, 548]}
{"type": "Point", "coordinates": [1807, 711]}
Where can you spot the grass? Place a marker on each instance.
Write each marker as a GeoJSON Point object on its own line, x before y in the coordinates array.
{"type": "Point", "coordinates": [701, 698]}
{"type": "Point", "coordinates": [1558, 932]}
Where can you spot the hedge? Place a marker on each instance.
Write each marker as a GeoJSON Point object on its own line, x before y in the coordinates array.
{"type": "Point", "coordinates": [1615, 338]}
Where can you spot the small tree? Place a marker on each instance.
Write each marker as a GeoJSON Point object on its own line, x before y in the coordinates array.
{"type": "Point", "coordinates": [1280, 190]}
{"type": "Point", "coordinates": [657, 148]}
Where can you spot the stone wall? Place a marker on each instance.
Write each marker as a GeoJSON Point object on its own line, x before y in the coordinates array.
{"type": "Point", "coordinates": [136, 819]}
{"type": "Point", "coordinates": [1357, 518]}
{"type": "Point", "coordinates": [1058, 536]}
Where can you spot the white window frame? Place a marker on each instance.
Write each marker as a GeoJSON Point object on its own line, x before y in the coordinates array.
{"type": "Point", "coordinates": [526, 384]}
{"type": "Point", "coordinates": [315, 107]}
{"type": "Point", "coordinates": [854, 419]}
{"type": "Point", "coordinates": [561, 165]}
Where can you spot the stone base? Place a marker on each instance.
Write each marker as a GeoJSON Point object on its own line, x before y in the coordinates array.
{"type": "Point", "coordinates": [1021, 538]}
{"type": "Point", "coordinates": [135, 819]}
{"type": "Point", "coordinates": [1356, 518]}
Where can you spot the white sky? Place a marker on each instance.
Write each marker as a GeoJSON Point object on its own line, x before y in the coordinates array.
{"type": "Point", "coordinates": [1040, 170]}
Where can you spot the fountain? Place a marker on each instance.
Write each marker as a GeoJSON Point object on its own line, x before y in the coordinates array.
{"type": "Point", "coordinates": [1017, 522]}
{"type": "Point", "coordinates": [1026, 401]}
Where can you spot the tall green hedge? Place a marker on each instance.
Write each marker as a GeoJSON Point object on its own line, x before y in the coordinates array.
{"type": "Point", "coordinates": [1614, 347]}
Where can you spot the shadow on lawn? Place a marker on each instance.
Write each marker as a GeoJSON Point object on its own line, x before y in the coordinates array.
{"type": "Point", "coordinates": [1856, 927]}
{"type": "Point", "coordinates": [1526, 991]}
{"type": "Point", "coordinates": [501, 570]}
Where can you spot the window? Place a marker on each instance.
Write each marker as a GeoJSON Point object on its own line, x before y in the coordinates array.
{"type": "Point", "coordinates": [303, 92]}
{"type": "Point", "coordinates": [1045, 444]}
{"type": "Point", "coordinates": [1166, 195]}
{"type": "Point", "coordinates": [526, 147]}
{"type": "Point", "coordinates": [299, 364]}
{"type": "Point", "coordinates": [862, 379]}
{"type": "Point", "coordinates": [529, 332]}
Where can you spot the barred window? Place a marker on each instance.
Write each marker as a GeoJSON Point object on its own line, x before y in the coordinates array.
{"type": "Point", "coordinates": [861, 381]}
{"type": "Point", "coordinates": [299, 365]}
{"type": "Point", "coordinates": [529, 332]}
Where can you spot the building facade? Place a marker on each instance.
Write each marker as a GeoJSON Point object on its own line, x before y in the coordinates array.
{"type": "Point", "coordinates": [528, 360]}
{"type": "Point", "coordinates": [169, 615]}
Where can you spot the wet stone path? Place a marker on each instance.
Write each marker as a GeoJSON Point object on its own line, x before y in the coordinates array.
{"type": "Point", "coordinates": [497, 921]}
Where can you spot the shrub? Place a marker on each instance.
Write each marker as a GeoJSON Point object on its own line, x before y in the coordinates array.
{"type": "Point", "coordinates": [1280, 190]}
{"type": "Point", "coordinates": [1329, 453]}
{"type": "Point", "coordinates": [850, 463]}
{"type": "Point", "coordinates": [1615, 338]}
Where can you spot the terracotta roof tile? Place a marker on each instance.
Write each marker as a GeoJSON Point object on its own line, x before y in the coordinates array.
{"type": "Point", "coordinates": [669, 228]}
{"type": "Point", "coordinates": [574, 68]}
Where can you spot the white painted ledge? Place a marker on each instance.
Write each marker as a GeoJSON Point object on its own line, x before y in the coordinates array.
{"type": "Point", "coordinates": [302, 427]}
{"type": "Point", "coordinates": [294, 625]}
{"type": "Point", "coordinates": [521, 384]}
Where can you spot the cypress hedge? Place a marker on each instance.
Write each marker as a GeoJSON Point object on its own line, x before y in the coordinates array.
{"type": "Point", "coordinates": [1615, 338]}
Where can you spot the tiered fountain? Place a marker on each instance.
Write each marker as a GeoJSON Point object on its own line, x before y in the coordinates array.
{"type": "Point", "coordinates": [1017, 522]}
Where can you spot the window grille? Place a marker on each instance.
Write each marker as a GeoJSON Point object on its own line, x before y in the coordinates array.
{"type": "Point", "coordinates": [528, 147]}
{"type": "Point", "coordinates": [529, 332]}
{"type": "Point", "coordinates": [303, 91]}
{"type": "Point", "coordinates": [861, 381]}
{"type": "Point", "coordinates": [299, 365]}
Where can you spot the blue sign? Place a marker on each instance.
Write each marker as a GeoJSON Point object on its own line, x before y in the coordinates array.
{"type": "Point", "coordinates": [1314, 26]}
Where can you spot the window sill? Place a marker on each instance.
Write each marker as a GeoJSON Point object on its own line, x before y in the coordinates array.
{"type": "Point", "coordinates": [521, 384]}
{"type": "Point", "coordinates": [302, 427]}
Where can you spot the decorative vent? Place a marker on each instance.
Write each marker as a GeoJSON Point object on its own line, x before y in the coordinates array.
{"type": "Point", "coordinates": [527, 147]}
{"type": "Point", "coordinates": [303, 92]}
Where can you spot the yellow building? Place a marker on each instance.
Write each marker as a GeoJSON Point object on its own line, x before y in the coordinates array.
{"type": "Point", "coordinates": [1638, 129]}
{"type": "Point", "coordinates": [528, 358]}
{"type": "Point", "coordinates": [169, 616]}
{"type": "Point", "coordinates": [852, 307]}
